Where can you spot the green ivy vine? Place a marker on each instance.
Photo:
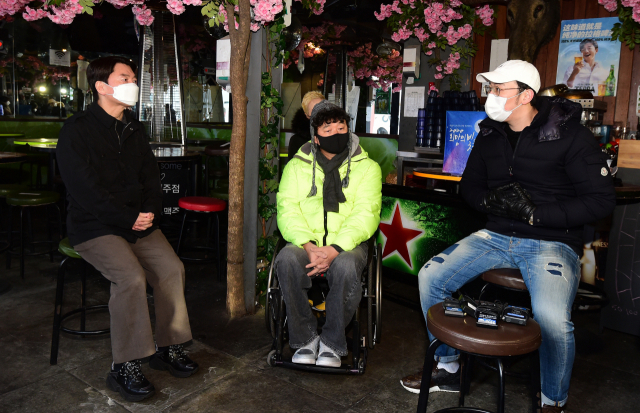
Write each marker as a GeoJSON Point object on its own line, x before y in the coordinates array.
{"type": "Point", "coordinates": [271, 113]}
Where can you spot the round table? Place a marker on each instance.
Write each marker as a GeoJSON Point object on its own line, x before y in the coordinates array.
{"type": "Point", "coordinates": [11, 157]}
{"type": "Point", "coordinates": [11, 135]}
{"type": "Point", "coordinates": [43, 145]}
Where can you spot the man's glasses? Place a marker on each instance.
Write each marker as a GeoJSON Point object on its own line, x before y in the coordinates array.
{"type": "Point", "coordinates": [496, 90]}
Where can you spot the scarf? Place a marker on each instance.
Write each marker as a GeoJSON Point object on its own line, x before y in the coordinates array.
{"type": "Point", "coordinates": [332, 188]}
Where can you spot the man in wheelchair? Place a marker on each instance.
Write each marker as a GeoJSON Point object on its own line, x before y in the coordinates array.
{"type": "Point", "coordinates": [326, 230]}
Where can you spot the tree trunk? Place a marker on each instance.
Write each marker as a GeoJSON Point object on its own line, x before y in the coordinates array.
{"type": "Point", "coordinates": [239, 71]}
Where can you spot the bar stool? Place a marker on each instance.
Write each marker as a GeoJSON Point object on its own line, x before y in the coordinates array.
{"type": "Point", "coordinates": [202, 204]}
{"type": "Point", "coordinates": [6, 189]}
{"type": "Point", "coordinates": [508, 340]}
{"type": "Point", "coordinates": [507, 278]}
{"type": "Point", "coordinates": [27, 200]}
{"type": "Point", "coordinates": [67, 250]}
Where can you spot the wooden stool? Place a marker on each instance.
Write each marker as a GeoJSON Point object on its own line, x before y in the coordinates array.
{"type": "Point", "coordinates": [202, 204]}
{"type": "Point", "coordinates": [510, 278]}
{"type": "Point", "coordinates": [28, 200]}
{"type": "Point", "coordinates": [463, 334]}
{"type": "Point", "coordinates": [67, 250]}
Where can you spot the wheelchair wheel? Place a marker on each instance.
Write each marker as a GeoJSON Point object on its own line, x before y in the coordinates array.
{"type": "Point", "coordinates": [271, 358]}
{"type": "Point", "coordinates": [269, 315]}
{"type": "Point", "coordinates": [374, 300]}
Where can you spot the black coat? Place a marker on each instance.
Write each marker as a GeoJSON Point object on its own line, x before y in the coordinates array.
{"type": "Point", "coordinates": [557, 161]}
{"type": "Point", "coordinates": [302, 134]}
{"type": "Point", "coordinates": [110, 180]}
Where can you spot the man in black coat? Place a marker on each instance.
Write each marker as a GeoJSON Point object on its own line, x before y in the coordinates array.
{"type": "Point", "coordinates": [540, 177]}
{"type": "Point", "coordinates": [113, 189]}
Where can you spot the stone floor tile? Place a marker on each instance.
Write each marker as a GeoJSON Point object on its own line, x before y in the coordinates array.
{"type": "Point", "coordinates": [214, 365]}
{"type": "Point", "coordinates": [250, 391]}
{"type": "Point", "coordinates": [61, 393]}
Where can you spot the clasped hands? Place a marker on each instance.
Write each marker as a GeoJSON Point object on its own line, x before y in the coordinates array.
{"type": "Point", "coordinates": [509, 201]}
{"type": "Point", "coordinates": [320, 257]}
{"type": "Point", "coordinates": [144, 221]}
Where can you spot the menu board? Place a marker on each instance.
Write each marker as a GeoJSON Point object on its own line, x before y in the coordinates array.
{"type": "Point", "coordinates": [175, 182]}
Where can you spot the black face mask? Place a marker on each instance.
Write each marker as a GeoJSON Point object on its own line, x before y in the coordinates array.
{"type": "Point", "coordinates": [335, 143]}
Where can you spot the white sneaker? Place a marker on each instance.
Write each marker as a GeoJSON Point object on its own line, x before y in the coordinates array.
{"type": "Point", "coordinates": [307, 354]}
{"type": "Point", "coordinates": [327, 358]}
{"type": "Point", "coordinates": [304, 356]}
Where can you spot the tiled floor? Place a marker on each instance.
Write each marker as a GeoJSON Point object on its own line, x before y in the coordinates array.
{"type": "Point", "coordinates": [234, 376]}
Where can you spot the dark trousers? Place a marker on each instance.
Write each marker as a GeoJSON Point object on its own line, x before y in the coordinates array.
{"type": "Point", "coordinates": [129, 267]}
{"type": "Point", "coordinates": [344, 295]}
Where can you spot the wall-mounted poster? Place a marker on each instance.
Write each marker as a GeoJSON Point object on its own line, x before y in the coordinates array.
{"type": "Point", "coordinates": [587, 58]}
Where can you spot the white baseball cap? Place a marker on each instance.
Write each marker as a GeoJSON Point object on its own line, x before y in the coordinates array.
{"type": "Point", "coordinates": [510, 70]}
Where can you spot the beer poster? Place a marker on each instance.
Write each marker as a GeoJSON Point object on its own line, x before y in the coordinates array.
{"type": "Point", "coordinates": [587, 58]}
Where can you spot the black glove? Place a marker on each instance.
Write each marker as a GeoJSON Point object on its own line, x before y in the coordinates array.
{"type": "Point", "coordinates": [509, 201]}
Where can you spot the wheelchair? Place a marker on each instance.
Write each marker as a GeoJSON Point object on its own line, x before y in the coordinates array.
{"type": "Point", "coordinates": [358, 341]}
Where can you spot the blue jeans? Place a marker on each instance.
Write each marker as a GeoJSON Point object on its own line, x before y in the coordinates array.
{"type": "Point", "coordinates": [551, 271]}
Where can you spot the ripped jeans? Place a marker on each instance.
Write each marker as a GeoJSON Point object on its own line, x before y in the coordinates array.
{"type": "Point", "coordinates": [551, 271]}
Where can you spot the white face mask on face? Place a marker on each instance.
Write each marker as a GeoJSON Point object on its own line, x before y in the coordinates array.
{"type": "Point", "coordinates": [494, 107]}
{"type": "Point", "coordinates": [126, 93]}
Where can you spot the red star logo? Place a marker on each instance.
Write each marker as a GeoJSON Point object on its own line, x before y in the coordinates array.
{"type": "Point", "coordinates": [398, 237]}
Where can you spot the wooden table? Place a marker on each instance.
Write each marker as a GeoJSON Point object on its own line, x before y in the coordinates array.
{"type": "Point", "coordinates": [11, 157]}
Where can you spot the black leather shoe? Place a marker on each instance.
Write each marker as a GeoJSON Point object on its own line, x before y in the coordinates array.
{"type": "Point", "coordinates": [130, 382]}
{"type": "Point", "coordinates": [175, 360]}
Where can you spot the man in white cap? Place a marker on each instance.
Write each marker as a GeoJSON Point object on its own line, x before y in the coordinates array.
{"type": "Point", "coordinates": [540, 177]}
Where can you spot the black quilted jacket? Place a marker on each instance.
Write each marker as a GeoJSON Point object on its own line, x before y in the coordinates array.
{"type": "Point", "coordinates": [557, 161]}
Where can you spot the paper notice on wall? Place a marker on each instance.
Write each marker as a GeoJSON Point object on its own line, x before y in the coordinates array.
{"type": "Point", "coordinates": [82, 75]}
{"type": "Point", "coordinates": [413, 100]}
{"type": "Point", "coordinates": [353, 97]}
{"type": "Point", "coordinates": [499, 52]}
{"type": "Point", "coordinates": [638, 103]}
{"type": "Point", "coordinates": [59, 57]}
{"type": "Point", "coordinates": [223, 62]}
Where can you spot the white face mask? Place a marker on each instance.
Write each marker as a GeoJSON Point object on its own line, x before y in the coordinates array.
{"type": "Point", "coordinates": [494, 107]}
{"type": "Point", "coordinates": [126, 93]}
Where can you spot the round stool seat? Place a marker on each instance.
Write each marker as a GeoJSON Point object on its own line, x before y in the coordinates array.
{"type": "Point", "coordinates": [32, 198]}
{"type": "Point", "coordinates": [506, 277]}
{"type": "Point", "coordinates": [6, 189]}
{"type": "Point", "coordinates": [463, 334]}
{"type": "Point", "coordinates": [216, 149]}
{"type": "Point", "coordinates": [66, 249]}
{"type": "Point", "coordinates": [202, 203]}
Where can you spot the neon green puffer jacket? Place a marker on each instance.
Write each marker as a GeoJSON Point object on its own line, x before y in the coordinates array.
{"type": "Point", "coordinates": [302, 219]}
